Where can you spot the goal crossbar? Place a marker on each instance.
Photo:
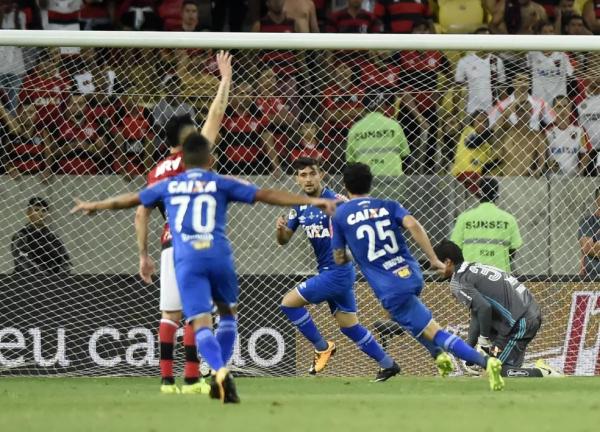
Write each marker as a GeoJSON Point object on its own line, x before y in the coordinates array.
{"type": "Point", "coordinates": [447, 42]}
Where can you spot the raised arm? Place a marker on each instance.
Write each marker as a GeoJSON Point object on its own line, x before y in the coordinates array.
{"type": "Point", "coordinates": [142, 220]}
{"type": "Point", "coordinates": [286, 199]}
{"type": "Point", "coordinates": [212, 124]}
{"type": "Point", "coordinates": [124, 201]}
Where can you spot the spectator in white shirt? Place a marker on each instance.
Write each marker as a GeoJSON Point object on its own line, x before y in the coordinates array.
{"type": "Point", "coordinates": [12, 66]}
{"type": "Point", "coordinates": [589, 116]}
{"type": "Point", "coordinates": [481, 72]}
{"type": "Point", "coordinates": [568, 145]}
{"type": "Point", "coordinates": [541, 113]}
{"type": "Point", "coordinates": [549, 74]}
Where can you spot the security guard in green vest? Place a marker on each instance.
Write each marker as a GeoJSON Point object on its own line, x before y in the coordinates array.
{"type": "Point", "coordinates": [486, 234]}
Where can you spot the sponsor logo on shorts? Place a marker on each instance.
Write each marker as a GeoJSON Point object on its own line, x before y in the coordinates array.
{"type": "Point", "coordinates": [202, 244]}
{"type": "Point", "coordinates": [403, 272]}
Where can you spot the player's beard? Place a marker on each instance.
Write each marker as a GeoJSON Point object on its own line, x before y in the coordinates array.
{"type": "Point", "coordinates": [315, 192]}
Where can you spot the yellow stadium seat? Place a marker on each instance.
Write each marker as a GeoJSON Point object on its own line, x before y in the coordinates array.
{"type": "Point", "coordinates": [460, 16]}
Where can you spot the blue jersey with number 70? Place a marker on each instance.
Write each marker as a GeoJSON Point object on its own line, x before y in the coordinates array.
{"type": "Point", "coordinates": [372, 228]}
{"type": "Point", "coordinates": [196, 206]}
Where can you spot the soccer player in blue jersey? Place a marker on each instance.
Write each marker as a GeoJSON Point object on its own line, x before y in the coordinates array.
{"type": "Point", "coordinates": [196, 206]}
{"type": "Point", "coordinates": [334, 283]}
{"type": "Point", "coordinates": [373, 229]}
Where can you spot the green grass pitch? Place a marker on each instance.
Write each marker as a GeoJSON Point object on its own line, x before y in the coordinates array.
{"type": "Point", "coordinates": [406, 404]}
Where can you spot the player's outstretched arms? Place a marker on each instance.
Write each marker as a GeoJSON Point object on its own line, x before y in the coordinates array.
{"type": "Point", "coordinates": [142, 220]}
{"type": "Point", "coordinates": [419, 235]}
{"type": "Point", "coordinates": [282, 232]}
{"type": "Point", "coordinates": [118, 202]}
{"type": "Point", "coordinates": [286, 199]}
{"type": "Point", "coordinates": [212, 124]}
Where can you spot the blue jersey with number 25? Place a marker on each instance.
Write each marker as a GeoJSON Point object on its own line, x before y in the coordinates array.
{"type": "Point", "coordinates": [372, 229]}
{"type": "Point", "coordinates": [196, 205]}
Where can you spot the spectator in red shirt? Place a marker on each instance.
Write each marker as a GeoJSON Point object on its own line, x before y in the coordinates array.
{"type": "Point", "coordinates": [279, 103]}
{"type": "Point", "coordinates": [276, 100]}
{"type": "Point", "coordinates": [132, 145]}
{"type": "Point", "coordinates": [45, 87]}
{"type": "Point", "coordinates": [76, 147]}
{"type": "Point", "coordinates": [419, 74]}
{"type": "Point", "coordinates": [275, 21]}
{"type": "Point", "coordinates": [98, 14]}
{"type": "Point", "coordinates": [380, 72]}
{"type": "Point", "coordinates": [42, 98]}
{"type": "Point", "coordinates": [247, 146]}
{"type": "Point", "coordinates": [399, 16]}
{"type": "Point", "coordinates": [342, 105]}
{"type": "Point", "coordinates": [354, 19]}
{"type": "Point", "coordinates": [308, 145]}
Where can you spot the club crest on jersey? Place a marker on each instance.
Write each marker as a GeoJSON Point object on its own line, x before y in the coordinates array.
{"type": "Point", "coordinates": [292, 214]}
{"type": "Point", "coordinates": [366, 214]}
{"type": "Point", "coordinates": [192, 186]}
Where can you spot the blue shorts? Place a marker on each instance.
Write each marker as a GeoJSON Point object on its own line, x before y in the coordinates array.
{"type": "Point", "coordinates": [335, 286]}
{"type": "Point", "coordinates": [203, 281]}
{"type": "Point", "coordinates": [408, 311]}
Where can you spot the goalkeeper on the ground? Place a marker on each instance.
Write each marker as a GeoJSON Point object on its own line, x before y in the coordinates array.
{"type": "Point", "coordinates": [504, 315]}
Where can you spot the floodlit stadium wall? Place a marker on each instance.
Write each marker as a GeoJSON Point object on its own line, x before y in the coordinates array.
{"type": "Point", "coordinates": [91, 124]}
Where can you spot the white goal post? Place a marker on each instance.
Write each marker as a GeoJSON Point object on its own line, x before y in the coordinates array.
{"type": "Point", "coordinates": [521, 109]}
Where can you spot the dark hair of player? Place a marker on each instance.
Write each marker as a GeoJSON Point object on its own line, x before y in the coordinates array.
{"type": "Point", "coordinates": [196, 151]}
{"type": "Point", "coordinates": [358, 178]}
{"type": "Point", "coordinates": [488, 189]}
{"type": "Point", "coordinates": [189, 2]}
{"type": "Point", "coordinates": [174, 126]}
{"type": "Point", "coordinates": [449, 250]}
{"type": "Point", "coordinates": [306, 162]}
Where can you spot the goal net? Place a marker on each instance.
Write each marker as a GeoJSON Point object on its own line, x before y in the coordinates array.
{"type": "Point", "coordinates": [90, 124]}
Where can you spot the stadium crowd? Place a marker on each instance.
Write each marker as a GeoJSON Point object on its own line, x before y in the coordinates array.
{"type": "Point", "coordinates": [99, 110]}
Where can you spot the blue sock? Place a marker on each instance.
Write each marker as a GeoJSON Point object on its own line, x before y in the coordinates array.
{"type": "Point", "coordinates": [433, 349]}
{"type": "Point", "coordinates": [209, 348]}
{"type": "Point", "coordinates": [459, 348]}
{"type": "Point", "coordinates": [300, 317]}
{"type": "Point", "coordinates": [367, 344]}
{"type": "Point", "coordinates": [226, 334]}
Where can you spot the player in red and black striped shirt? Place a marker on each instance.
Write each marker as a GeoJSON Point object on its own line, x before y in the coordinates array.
{"type": "Point", "coordinates": [354, 19]}
{"type": "Point", "coordinates": [177, 129]}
